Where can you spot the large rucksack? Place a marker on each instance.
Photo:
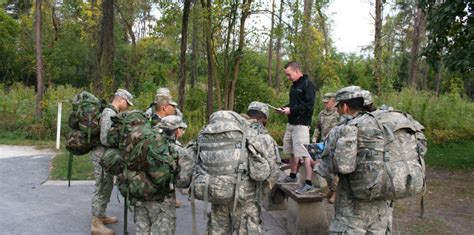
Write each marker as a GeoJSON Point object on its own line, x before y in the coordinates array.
{"type": "Point", "coordinates": [222, 158]}
{"type": "Point", "coordinates": [123, 124]}
{"type": "Point", "coordinates": [149, 170]}
{"type": "Point", "coordinates": [84, 121]}
{"type": "Point", "coordinates": [395, 169]}
{"type": "Point", "coordinates": [140, 157]}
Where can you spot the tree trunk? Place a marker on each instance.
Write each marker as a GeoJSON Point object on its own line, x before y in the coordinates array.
{"type": "Point", "coordinates": [278, 46]}
{"type": "Point", "coordinates": [194, 44]}
{"type": "Point", "coordinates": [39, 61]}
{"type": "Point", "coordinates": [206, 4]}
{"type": "Point", "coordinates": [239, 53]}
{"type": "Point", "coordinates": [270, 47]}
{"type": "Point", "coordinates": [378, 46]}
{"type": "Point", "coordinates": [306, 34]}
{"type": "Point", "coordinates": [322, 22]}
{"type": "Point", "coordinates": [417, 31]}
{"type": "Point", "coordinates": [105, 52]}
{"type": "Point", "coordinates": [182, 57]}
{"type": "Point", "coordinates": [227, 57]}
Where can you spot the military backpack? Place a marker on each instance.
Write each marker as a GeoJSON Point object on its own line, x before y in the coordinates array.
{"type": "Point", "coordinates": [140, 157]}
{"type": "Point", "coordinates": [84, 121]}
{"type": "Point", "coordinates": [390, 155]}
{"type": "Point", "coordinates": [123, 124]}
{"type": "Point", "coordinates": [222, 158]}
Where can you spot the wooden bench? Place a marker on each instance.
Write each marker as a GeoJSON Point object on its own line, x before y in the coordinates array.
{"type": "Point", "coordinates": [306, 213]}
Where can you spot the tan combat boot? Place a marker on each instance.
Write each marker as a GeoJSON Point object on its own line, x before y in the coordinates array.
{"type": "Point", "coordinates": [109, 219]}
{"type": "Point", "coordinates": [98, 227]}
{"type": "Point", "coordinates": [332, 197]}
{"type": "Point", "coordinates": [178, 204]}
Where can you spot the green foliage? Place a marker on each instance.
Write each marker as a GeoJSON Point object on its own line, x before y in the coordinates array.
{"type": "Point", "coordinates": [451, 35]}
{"type": "Point", "coordinates": [17, 108]}
{"type": "Point", "coordinates": [446, 118]}
{"type": "Point", "coordinates": [9, 31]}
{"type": "Point", "coordinates": [453, 156]}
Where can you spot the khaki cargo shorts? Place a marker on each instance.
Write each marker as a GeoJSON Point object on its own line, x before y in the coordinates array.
{"type": "Point", "coordinates": [295, 137]}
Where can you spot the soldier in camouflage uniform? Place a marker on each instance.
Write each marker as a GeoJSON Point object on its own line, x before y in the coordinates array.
{"type": "Point", "coordinates": [327, 118]}
{"type": "Point", "coordinates": [103, 180]}
{"type": "Point", "coordinates": [159, 217]}
{"type": "Point", "coordinates": [162, 106]}
{"type": "Point", "coordinates": [342, 146]}
{"type": "Point", "coordinates": [247, 217]}
{"type": "Point", "coordinates": [257, 116]}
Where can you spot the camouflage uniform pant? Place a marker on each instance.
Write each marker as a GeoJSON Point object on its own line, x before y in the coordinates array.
{"type": "Point", "coordinates": [103, 184]}
{"type": "Point", "coordinates": [359, 217]}
{"type": "Point", "coordinates": [152, 217]}
{"type": "Point", "coordinates": [247, 219]}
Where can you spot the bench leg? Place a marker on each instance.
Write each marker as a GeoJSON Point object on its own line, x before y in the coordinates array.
{"type": "Point", "coordinates": [306, 218]}
{"type": "Point", "coordinates": [275, 200]}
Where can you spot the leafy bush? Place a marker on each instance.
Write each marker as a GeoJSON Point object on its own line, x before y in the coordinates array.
{"type": "Point", "coordinates": [446, 118]}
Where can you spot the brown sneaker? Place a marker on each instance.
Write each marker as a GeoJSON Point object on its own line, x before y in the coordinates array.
{"type": "Point", "coordinates": [178, 204]}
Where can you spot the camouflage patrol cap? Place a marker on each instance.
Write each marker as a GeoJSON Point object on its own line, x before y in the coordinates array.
{"type": "Point", "coordinates": [347, 93]}
{"type": "Point", "coordinates": [125, 95]}
{"type": "Point", "coordinates": [163, 91]}
{"type": "Point", "coordinates": [163, 96]}
{"type": "Point", "coordinates": [259, 106]}
{"type": "Point", "coordinates": [367, 97]}
{"type": "Point", "coordinates": [172, 122]}
{"type": "Point", "coordinates": [328, 96]}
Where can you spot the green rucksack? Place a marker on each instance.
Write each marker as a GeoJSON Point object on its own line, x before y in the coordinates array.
{"type": "Point", "coordinates": [153, 176]}
{"type": "Point", "coordinates": [123, 124]}
{"type": "Point", "coordinates": [84, 121]}
{"type": "Point", "coordinates": [134, 156]}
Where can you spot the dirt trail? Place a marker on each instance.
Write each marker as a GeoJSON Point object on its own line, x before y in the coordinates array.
{"type": "Point", "coordinates": [449, 206]}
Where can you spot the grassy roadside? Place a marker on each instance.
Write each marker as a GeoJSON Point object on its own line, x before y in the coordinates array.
{"type": "Point", "coordinates": [82, 168]}
{"type": "Point", "coordinates": [13, 139]}
{"type": "Point", "coordinates": [451, 156]}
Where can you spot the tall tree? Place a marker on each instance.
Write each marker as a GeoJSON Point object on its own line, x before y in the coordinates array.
{"type": "Point", "coordinates": [322, 21]}
{"type": "Point", "coordinates": [270, 47]}
{"type": "Point", "coordinates": [182, 57]}
{"type": "Point", "coordinates": [306, 35]}
{"type": "Point", "coordinates": [278, 45]}
{"type": "Point", "coordinates": [194, 43]}
{"type": "Point", "coordinates": [232, 16]}
{"type": "Point", "coordinates": [378, 46]}
{"type": "Point", "coordinates": [418, 29]}
{"type": "Point", "coordinates": [106, 47]}
{"type": "Point", "coordinates": [245, 13]}
{"type": "Point", "coordinates": [207, 33]}
{"type": "Point", "coordinates": [39, 61]}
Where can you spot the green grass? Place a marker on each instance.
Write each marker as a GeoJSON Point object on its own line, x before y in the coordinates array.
{"type": "Point", "coordinates": [452, 156]}
{"type": "Point", "coordinates": [82, 168]}
{"type": "Point", "coordinates": [9, 138]}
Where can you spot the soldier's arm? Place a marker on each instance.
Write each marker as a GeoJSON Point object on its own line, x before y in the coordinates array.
{"type": "Point", "coordinates": [105, 124]}
{"type": "Point", "coordinates": [345, 152]}
{"type": "Point", "coordinates": [186, 163]}
{"type": "Point", "coordinates": [317, 131]}
{"type": "Point", "coordinates": [260, 167]}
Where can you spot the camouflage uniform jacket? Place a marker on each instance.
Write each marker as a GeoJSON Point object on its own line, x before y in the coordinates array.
{"type": "Point", "coordinates": [340, 158]}
{"type": "Point", "coordinates": [268, 147]}
{"type": "Point", "coordinates": [326, 121]}
{"type": "Point", "coordinates": [105, 124]}
{"type": "Point", "coordinates": [185, 164]}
